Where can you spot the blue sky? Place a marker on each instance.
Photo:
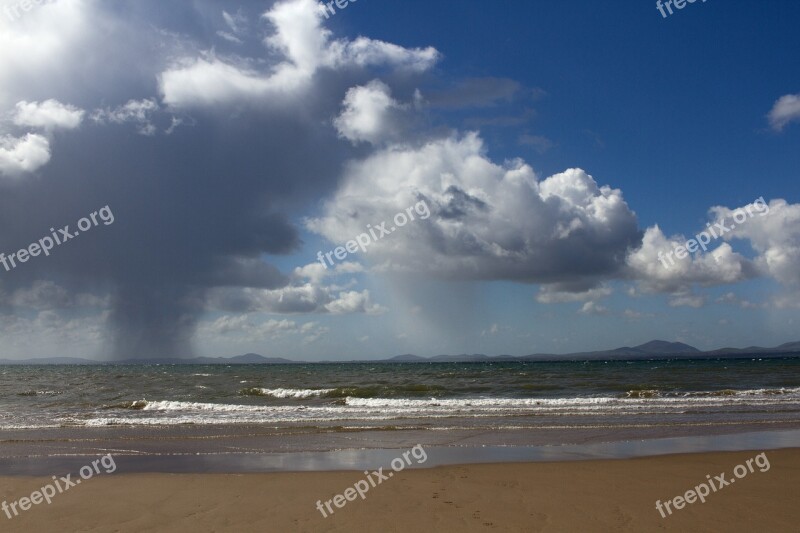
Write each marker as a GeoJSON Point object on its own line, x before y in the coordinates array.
{"type": "Point", "coordinates": [235, 141]}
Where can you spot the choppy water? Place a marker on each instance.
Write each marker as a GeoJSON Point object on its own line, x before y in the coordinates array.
{"type": "Point", "coordinates": [439, 395]}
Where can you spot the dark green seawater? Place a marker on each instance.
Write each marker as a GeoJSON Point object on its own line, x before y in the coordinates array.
{"type": "Point", "coordinates": [438, 395]}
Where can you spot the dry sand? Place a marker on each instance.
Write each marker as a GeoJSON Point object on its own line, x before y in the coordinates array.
{"type": "Point", "coordinates": [609, 495]}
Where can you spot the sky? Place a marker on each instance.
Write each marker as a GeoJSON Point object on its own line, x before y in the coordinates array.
{"type": "Point", "coordinates": [504, 178]}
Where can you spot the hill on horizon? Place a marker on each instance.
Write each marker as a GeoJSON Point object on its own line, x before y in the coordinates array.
{"type": "Point", "coordinates": [648, 350]}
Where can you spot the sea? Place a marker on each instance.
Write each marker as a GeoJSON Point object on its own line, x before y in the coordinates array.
{"type": "Point", "coordinates": [657, 394]}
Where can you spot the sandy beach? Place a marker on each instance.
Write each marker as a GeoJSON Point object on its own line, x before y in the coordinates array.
{"type": "Point", "coordinates": [604, 495]}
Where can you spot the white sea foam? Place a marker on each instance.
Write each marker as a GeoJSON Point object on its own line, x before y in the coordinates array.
{"type": "Point", "coordinates": [382, 409]}
{"type": "Point", "coordinates": [198, 406]}
{"type": "Point", "coordinates": [475, 402]}
{"type": "Point", "coordinates": [370, 410]}
{"type": "Point", "coordinates": [295, 393]}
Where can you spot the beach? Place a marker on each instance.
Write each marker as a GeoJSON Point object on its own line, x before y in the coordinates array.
{"type": "Point", "coordinates": [559, 446]}
{"type": "Point", "coordinates": [604, 495]}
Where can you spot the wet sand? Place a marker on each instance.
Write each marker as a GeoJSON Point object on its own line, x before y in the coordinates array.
{"type": "Point", "coordinates": [596, 495]}
{"type": "Point", "coordinates": [253, 449]}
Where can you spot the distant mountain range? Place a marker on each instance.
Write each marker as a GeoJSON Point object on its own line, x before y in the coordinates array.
{"type": "Point", "coordinates": [649, 350]}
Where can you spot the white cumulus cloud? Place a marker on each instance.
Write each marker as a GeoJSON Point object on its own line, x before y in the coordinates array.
{"type": "Point", "coordinates": [774, 235]}
{"type": "Point", "coordinates": [487, 221]}
{"type": "Point", "coordinates": [19, 155]}
{"type": "Point", "coordinates": [785, 110]}
{"type": "Point", "coordinates": [305, 46]}
{"type": "Point", "coordinates": [368, 114]}
{"type": "Point", "coordinates": [48, 115]}
{"type": "Point", "coordinates": [721, 265]}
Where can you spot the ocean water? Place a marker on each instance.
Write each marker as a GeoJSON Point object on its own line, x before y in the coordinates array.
{"type": "Point", "coordinates": [434, 396]}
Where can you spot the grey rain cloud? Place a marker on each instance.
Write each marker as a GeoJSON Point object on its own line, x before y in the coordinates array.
{"type": "Point", "coordinates": [195, 209]}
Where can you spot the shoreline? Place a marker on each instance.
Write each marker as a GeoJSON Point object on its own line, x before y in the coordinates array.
{"type": "Point", "coordinates": [179, 459]}
{"type": "Point", "coordinates": [591, 495]}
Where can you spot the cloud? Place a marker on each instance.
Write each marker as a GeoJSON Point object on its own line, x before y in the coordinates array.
{"type": "Point", "coordinates": [785, 111]}
{"type": "Point", "coordinates": [211, 81]}
{"type": "Point", "coordinates": [51, 330]}
{"type": "Point", "coordinates": [230, 37]}
{"type": "Point", "coordinates": [592, 308]}
{"type": "Point", "coordinates": [368, 114]}
{"type": "Point", "coordinates": [630, 314]}
{"type": "Point", "coordinates": [204, 213]}
{"type": "Point", "coordinates": [19, 155]}
{"type": "Point", "coordinates": [137, 112]}
{"type": "Point", "coordinates": [237, 24]}
{"type": "Point", "coordinates": [316, 272]}
{"type": "Point", "coordinates": [773, 234]}
{"type": "Point", "coordinates": [307, 293]}
{"type": "Point", "coordinates": [305, 45]}
{"type": "Point", "coordinates": [687, 300]}
{"type": "Point", "coordinates": [353, 302]}
{"type": "Point", "coordinates": [40, 48]}
{"type": "Point", "coordinates": [48, 115]}
{"type": "Point", "coordinates": [565, 292]}
{"type": "Point", "coordinates": [207, 208]}
{"type": "Point", "coordinates": [46, 295]}
{"type": "Point", "coordinates": [771, 229]}
{"type": "Point", "coordinates": [731, 299]}
{"type": "Point", "coordinates": [42, 295]}
{"type": "Point", "coordinates": [305, 298]}
{"type": "Point", "coordinates": [717, 267]}
{"type": "Point", "coordinates": [488, 221]}
{"type": "Point", "coordinates": [245, 329]}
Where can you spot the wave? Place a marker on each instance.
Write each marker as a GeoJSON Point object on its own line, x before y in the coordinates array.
{"type": "Point", "coordinates": [656, 393]}
{"type": "Point", "coordinates": [475, 402]}
{"type": "Point", "coordinates": [285, 393]}
{"type": "Point", "coordinates": [645, 401]}
{"type": "Point", "coordinates": [198, 406]}
{"type": "Point", "coordinates": [637, 398]}
{"type": "Point", "coordinates": [379, 391]}
{"type": "Point", "coordinates": [347, 392]}
{"type": "Point", "coordinates": [643, 393]}
{"type": "Point", "coordinates": [137, 405]}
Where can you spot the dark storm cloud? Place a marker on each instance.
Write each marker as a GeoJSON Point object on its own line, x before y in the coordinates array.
{"type": "Point", "coordinates": [194, 209]}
